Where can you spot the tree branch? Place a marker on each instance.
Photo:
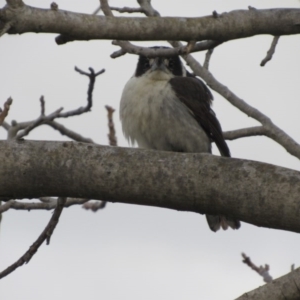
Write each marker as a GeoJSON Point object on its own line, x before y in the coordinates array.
{"type": "Point", "coordinates": [270, 129]}
{"type": "Point", "coordinates": [4, 112]}
{"type": "Point", "coordinates": [228, 26]}
{"type": "Point", "coordinates": [257, 193]}
{"type": "Point", "coordinates": [286, 287]}
{"type": "Point", "coordinates": [44, 205]}
{"type": "Point", "coordinates": [244, 132]}
{"type": "Point", "coordinates": [44, 236]}
{"type": "Point", "coordinates": [262, 271]}
{"type": "Point", "coordinates": [270, 52]}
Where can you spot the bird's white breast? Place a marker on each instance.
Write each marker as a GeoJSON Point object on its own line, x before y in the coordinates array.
{"type": "Point", "coordinates": [153, 116]}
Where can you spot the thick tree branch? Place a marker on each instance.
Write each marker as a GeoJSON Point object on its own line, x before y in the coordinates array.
{"type": "Point", "coordinates": [233, 25]}
{"type": "Point", "coordinates": [257, 193]}
{"type": "Point", "coordinates": [286, 287]}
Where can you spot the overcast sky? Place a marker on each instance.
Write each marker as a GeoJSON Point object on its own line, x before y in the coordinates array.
{"type": "Point", "coordinates": [133, 252]}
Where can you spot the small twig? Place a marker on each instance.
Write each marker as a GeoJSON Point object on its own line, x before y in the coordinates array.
{"type": "Point", "coordinates": [126, 9]}
{"type": "Point", "coordinates": [262, 271]}
{"type": "Point", "coordinates": [207, 58]}
{"type": "Point", "coordinates": [189, 47]}
{"type": "Point", "coordinates": [4, 112]}
{"type": "Point", "coordinates": [111, 126]}
{"type": "Point", "coordinates": [67, 132]}
{"type": "Point", "coordinates": [105, 8]}
{"type": "Point", "coordinates": [271, 51]}
{"type": "Point", "coordinates": [45, 204]}
{"type": "Point", "coordinates": [94, 206]}
{"type": "Point", "coordinates": [155, 52]}
{"type": "Point", "coordinates": [27, 127]}
{"type": "Point", "coordinates": [44, 236]}
{"type": "Point", "coordinates": [97, 10]}
{"type": "Point", "coordinates": [38, 122]}
{"type": "Point", "coordinates": [42, 100]}
{"type": "Point", "coordinates": [244, 132]}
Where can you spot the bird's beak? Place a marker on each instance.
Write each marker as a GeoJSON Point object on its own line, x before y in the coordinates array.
{"type": "Point", "coordinates": [158, 65]}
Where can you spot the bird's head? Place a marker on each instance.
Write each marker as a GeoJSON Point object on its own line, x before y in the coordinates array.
{"type": "Point", "coordinates": [160, 68]}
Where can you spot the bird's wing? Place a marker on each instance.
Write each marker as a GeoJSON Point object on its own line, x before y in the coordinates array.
{"type": "Point", "coordinates": [197, 97]}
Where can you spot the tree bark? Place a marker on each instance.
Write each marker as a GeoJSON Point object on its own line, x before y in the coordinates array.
{"type": "Point", "coordinates": [254, 192]}
{"type": "Point", "coordinates": [221, 27]}
{"type": "Point", "coordinates": [286, 287]}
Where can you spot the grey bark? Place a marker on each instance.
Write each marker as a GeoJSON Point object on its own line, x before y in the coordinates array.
{"type": "Point", "coordinates": [227, 26]}
{"type": "Point", "coordinates": [253, 192]}
{"type": "Point", "coordinates": [286, 287]}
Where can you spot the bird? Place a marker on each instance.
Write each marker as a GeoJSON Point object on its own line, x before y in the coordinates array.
{"type": "Point", "coordinates": [165, 107]}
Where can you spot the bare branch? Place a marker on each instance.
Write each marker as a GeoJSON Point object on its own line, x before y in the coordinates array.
{"type": "Point", "coordinates": [50, 204]}
{"type": "Point", "coordinates": [112, 132]}
{"type": "Point", "coordinates": [148, 8]}
{"type": "Point", "coordinates": [105, 8]}
{"type": "Point", "coordinates": [262, 271]}
{"type": "Point", "coordinates": [27, 127]}
{"type": "Point", "coordinates": [38, 122]}
{"type": "Point", "coordinates": [228, 26]}
{"type": "Point", "coordinates": [126, 9]}
{"type": "Point", "coordinates": [68, 132]}
{"type": "Point", "coordinates": [4, 112]}
{"type": "Point", "coordinates": [244, 132]}
{"type": "Point", "coordinates": [44, 236]}
{"type": "Point", "coordinates": [271, 130]}
{"type": "Point", "coordinates": [150, 52]}
{"type": "Point", "coordinates": [207, 58]}
{"type": "Point", "coordinates": [286, 287]}
{"type": "Point", "coordinates": [92, 77]}
{"type": "Point", "coordinates": [42, 100]}
{"type": "Point", "coordinates": [271, 51]}
{"type": "Point", "coordinates": [257, 193]}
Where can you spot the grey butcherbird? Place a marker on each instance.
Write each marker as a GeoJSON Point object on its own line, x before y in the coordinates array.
{"type": "Point", "coordinates": [164, 107]}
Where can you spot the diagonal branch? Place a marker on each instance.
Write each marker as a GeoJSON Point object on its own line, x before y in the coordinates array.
{"type": "Point", "coordinates": [44, 236]}
{"type": "Point", "coordinates": [262, 271]}
{"type": "Point", "coordinates": [271, 130]}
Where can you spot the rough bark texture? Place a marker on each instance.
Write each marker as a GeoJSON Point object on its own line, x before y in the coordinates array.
{"type": "Point", "coordinates": [257, 193]}
{"type": "Point", "coordinates": [223, 27]}
{"type": "Point", "coordinates": [284, 288]}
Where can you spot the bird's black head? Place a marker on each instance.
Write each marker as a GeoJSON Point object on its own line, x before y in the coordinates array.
{"type": "Point", "coordinates": [170, 65]}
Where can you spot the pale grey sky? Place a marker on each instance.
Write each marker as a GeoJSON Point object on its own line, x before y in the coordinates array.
{"type": "Point", "coordinates": [127, 251]}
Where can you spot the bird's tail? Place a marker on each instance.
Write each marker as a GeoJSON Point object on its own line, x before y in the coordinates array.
{"type": "Point", "coordinates": [215, 222]}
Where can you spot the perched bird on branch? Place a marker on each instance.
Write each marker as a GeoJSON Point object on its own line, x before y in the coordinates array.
{"type": "Point", "coordinates": [164, 107]}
